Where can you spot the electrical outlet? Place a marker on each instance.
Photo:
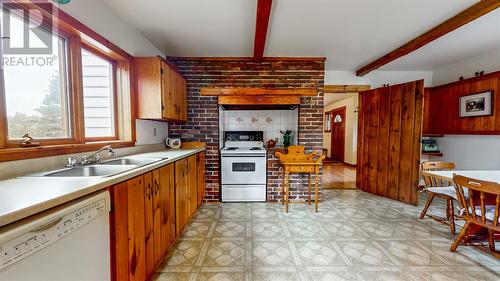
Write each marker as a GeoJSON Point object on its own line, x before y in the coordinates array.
{"type": "Point", "coordinates": [154, 132]}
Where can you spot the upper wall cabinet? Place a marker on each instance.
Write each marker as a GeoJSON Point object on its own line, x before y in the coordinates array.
{"type": "Point", "coordinates": [162, 91]}
{"type": "Point", "coordinates": [442, 107]}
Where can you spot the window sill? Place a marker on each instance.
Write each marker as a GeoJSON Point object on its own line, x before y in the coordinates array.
{"type": "Point", "coordinates": [11, 154]}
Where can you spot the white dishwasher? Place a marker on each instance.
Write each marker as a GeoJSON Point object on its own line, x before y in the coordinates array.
{"type": "Point", "coordinates": [69, 242]}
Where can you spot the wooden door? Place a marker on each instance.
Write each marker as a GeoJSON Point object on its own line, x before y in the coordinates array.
{"type": "Point", "coordinates": [136, 229]}
{"type": "Point", "coordinates": [168, 93]}
{"type": "Point", "coordinates": [181, 195]}
{"type": "Point", "coordinates": [389, 134]}
{"type": "Point", "coordinates": [156, 216]}
{"type": "Point", "coordinates": [167, 207]}
{"type": "Point", "coordinates": [338, 134]}
{"type": "Point", "coordinates": [192, 180]}
{"type": "Point", "coordinates": [183, 98]}
{"type": "Point", "coordinates": [200, 167]}
{"type": "Point", "coordinates": [149, 222]}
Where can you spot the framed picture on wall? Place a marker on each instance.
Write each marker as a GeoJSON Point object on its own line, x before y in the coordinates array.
{"type": "Point", "coordinates": [328, 122]}
{"type": "Point", "coordinates": [476, 105]}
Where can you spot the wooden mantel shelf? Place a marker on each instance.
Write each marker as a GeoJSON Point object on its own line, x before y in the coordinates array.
{"type": "Point", "coordinates": [258, 92]}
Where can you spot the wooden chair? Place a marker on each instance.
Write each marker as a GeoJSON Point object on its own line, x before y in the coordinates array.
{"type": "Point", "coordinates": [437, 187]}
{"type": "Point", "coordinates": [480, 203]}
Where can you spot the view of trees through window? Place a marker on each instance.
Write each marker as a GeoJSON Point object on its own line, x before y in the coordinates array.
{"type": "Point", "coordinates": [47, 122]}
{"type": "Point", "coordinates": [36, 88]}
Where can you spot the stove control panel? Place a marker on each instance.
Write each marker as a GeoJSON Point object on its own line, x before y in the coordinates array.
{"type": "Point", "coordinates": [33, 237]}
{"type": "Point", "coordinates": [244, 135]}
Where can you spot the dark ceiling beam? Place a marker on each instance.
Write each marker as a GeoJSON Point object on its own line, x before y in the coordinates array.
{"type": "Point", "coordinates": [262, 22]}
{"type": "Point", "coordinates": [470, 14]}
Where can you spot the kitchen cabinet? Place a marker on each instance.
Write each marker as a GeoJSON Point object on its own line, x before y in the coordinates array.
{"type": "Point", "coordinates": [128, 235]}
{"type": "Point", "coordinates": [186, 191]}
{"type": "Point", "coordinates": [149, 212]}
{"type": "Point", "coordinates": [162, 91]}
{"type": "Point", "coordinates": [200, 167]}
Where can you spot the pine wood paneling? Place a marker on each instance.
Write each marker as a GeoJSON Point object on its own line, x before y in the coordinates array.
{"type": "Point", "coordinates": [167, 206]}
{"type": "Point", "coordinates": [148, 221]}
{"type": "Point", "coordinates": [441, 109]}
{"type": "Point", "coordinates": [391, 122]}
{"type": "Point", "coordinates": [136, 229]}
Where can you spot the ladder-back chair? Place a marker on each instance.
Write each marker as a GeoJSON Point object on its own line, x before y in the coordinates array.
{"type": "Point", "coordinates": [442, 188]}
{"type": "Point", "coordinates": [480, 205]}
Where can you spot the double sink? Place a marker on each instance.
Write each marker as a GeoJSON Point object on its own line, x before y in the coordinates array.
{"type": "Point", "coordinates": [105, 169]}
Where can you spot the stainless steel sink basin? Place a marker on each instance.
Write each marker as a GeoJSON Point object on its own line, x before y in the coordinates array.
{"type": "Point", "coordinates": [100, 170]}
{"type": "Point", "coordinates": [132, 161]}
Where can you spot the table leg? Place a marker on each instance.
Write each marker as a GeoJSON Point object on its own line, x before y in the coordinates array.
{"type": "Point", "coordinates": [287, 191]}
{"type": "Point", "coordinates": [309, 188]}
{"type": "Point", "coordinates": [316, 191]}
{"type": "Point", "coordinates": [283, 189]}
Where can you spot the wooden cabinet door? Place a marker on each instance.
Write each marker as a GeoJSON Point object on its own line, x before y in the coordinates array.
{"type": "Point", "coordinates": [181, 195]}
{"type": "Point", "coordinates": [200, 167]}
{"type": "Point", "coordinates": [149, 222]}
{"type": "Point", "coordinates": [192, 183]}
{"type": "Point", "coordinates": [182, 94]}
{"type": "Point", "coordinates": [167, 207]}
{"type": "Point", "coordinates": [156, 216]}
{"type": "Point", "coordinates": [168, 93]}
{"type": "Point", "coordinates": [136, 229]}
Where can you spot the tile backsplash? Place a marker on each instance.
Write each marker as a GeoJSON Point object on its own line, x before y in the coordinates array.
{"type": "Point", "coordinates": [269, 121]}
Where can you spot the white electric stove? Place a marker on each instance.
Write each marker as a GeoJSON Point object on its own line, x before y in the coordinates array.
{"type": "Point", "coordinates": [243, 167]}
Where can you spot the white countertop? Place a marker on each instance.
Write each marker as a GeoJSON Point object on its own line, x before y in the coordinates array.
{"type": "Point", "coordinates": [23, 197]}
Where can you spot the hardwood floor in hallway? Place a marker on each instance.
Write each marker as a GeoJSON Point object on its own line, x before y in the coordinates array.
{"type": "Point", "coordinates": [339, 176]}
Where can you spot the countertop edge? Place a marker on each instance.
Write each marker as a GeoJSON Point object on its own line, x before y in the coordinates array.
{"type": "Point", "coordinates": [20, 214]}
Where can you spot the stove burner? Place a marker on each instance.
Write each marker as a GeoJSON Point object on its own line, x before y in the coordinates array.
{"type": "Point", "coordinates": [231, 148]}
{"type": "Point", "coordinates": [256, 148]}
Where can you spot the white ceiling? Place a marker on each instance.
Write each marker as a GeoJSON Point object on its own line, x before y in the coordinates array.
{"type": "Point", "coordinates": [472, 39]}
{"type": "Point", "coordinates": [193, 27]}
{"type": "Point", "coordinates": [349, 33]}
{"type": "Point", "coordinates": [335, 97]}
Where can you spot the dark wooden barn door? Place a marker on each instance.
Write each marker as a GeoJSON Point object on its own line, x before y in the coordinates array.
{"type": "Point", "coordinates": [389, 134]}
{"type": "Point", "coordinates": [338, 134]}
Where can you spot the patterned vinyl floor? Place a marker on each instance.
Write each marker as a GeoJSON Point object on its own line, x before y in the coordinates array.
{"type": "Point", "coordinates": [355, 236]}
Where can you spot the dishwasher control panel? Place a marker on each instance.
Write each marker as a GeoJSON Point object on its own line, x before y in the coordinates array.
{"type": "Point", "coordinates": [39, 235]}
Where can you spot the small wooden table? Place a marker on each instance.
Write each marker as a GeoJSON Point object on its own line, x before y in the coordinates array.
{"type": "Point", "coordinates": [298, 162]}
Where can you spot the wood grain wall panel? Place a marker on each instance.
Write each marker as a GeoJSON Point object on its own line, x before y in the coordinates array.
{"type": "Point", "coordinates": [383, 143]}
{"type": "Point", "coordinates": [407, 131]}
{"type": "Point", "coordinates": [417, 140]}
{"type": "Point", "coordinates": [373, 140]}
{"type": "Point", "coordinates": [441, 109]}
{"type": "Point", "coordinates": [396, 107]}
{"type": "Point", "coordinates": [391, 119]}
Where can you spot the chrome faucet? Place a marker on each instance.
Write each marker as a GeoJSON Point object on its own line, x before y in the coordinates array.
{"type": "Point", "coordinates": [96, 157]}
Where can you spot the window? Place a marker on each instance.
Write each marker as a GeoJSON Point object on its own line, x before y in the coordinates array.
{"type": "Point", "coordinates": [98, 96]}
{"type": "Point", "coordinates": [36, 89]}
{"type": "Point", "coordinates": [64, 85]}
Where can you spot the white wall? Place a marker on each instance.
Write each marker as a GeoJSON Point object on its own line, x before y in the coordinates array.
{"type": "Point", "coordinates": [489, 62]}
{"type": "Point", "coordinates": [351, 129]}
{"type": "Point", "coordinates": [377, 78]}
{"type": "Point", "coordinates": [99, 17]}
{"type": "Point", "coordinates": [471, 152]}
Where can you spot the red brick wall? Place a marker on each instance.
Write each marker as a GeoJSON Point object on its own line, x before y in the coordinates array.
{"type": "Point", "coordinates": [203, 119]}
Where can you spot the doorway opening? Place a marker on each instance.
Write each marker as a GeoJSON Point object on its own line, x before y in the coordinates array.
{"type": "Point", "coordinates": [340, 140]}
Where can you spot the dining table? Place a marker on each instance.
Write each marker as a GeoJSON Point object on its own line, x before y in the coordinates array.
{"type": "Point", "coordinates": [485, 175]}
{"type": "Point", "coordinates": [476, 233]}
